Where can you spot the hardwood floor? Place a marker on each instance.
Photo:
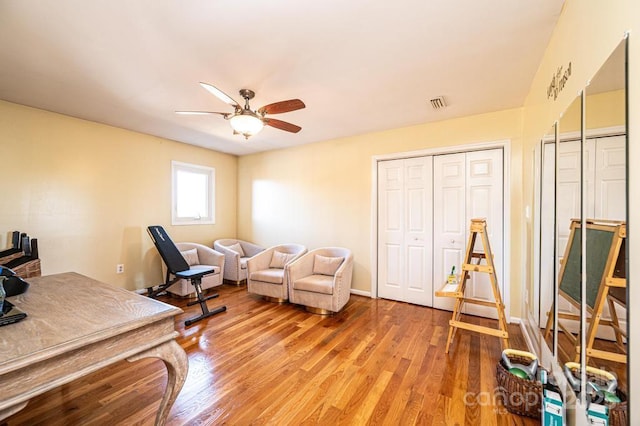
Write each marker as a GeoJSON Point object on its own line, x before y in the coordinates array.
{"type": "Point", "coordinates": [376, 362]}
{"type": "Point", "coordinates": [567, 352]}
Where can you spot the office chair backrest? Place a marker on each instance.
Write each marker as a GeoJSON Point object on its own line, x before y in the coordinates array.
{"type": "Point", "coordinates": [167, 249]}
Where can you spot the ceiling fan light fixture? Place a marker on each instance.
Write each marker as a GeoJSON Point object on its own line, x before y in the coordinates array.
{"type": "Point", "coordinates": [246, 124]}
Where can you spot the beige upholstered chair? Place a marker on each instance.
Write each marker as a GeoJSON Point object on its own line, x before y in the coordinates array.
{"type": "Point", "coordinates": [266, 271]}
{"type": "Point", "coordinates": [236, 254]}
{"type": "Point", "coordinates": [197, 254]}
{"type": "Point", "coordinates": [321, 280]}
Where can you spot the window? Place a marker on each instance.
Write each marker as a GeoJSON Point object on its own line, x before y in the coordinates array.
{"type": "Point", "coordinates": [193, 194]}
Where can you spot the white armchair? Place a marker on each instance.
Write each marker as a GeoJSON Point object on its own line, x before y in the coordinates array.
{"type": "Point", "coordinates": [197, 254]}
{"type": "Point", "coordinates": [236, 254]}
{"type": "Point", "coordinates": [266, 271]}
{"type": "Point", "coordinates": [321, 280]}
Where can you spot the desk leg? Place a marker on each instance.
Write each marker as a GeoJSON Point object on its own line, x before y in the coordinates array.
{"type": "Point", "coordinates": [12, 410]}
{"type": "Point", "coordinates": [177, 363]}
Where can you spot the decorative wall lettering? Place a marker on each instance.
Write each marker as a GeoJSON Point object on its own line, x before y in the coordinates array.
{"type": "Point", "coordinates": [558, 81]}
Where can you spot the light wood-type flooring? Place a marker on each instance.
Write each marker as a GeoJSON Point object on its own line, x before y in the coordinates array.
{"type": "Point", "coordinates": [377, 362]}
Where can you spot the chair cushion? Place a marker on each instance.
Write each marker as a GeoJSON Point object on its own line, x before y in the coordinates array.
{"type": "Point", "coordinates": [324, 265]}
{"type": "Point", "coordinates": [279, 259]}
{"type": "Point", "coordinates": [273, 276]}
{"type": "Point", "coordinates": [191, 256]}
{"type": "Point", "coordinates": [243, 262]}
{"type": "Point", "coordinates": [237, 248]}
{"type": "Point", "coordinates": [315, 284]}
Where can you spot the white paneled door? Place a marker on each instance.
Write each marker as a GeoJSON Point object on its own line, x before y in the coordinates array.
{"type": "Point", "coordinates": [605, 179]}
{"type": "Point", "coordinates": [449, 220]}
{"type": "Point", "coordinates": [568, 207]}
{"type": "Point", "coordinates": [610, 181]}
{"type": "Point", "coordinates": [405, 230]}
{"type": "Point", "coordinates": [425, 206]}
{"type": "Point", "coordinates": [466, 186]}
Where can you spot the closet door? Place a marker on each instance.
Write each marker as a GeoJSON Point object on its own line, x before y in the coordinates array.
{"type": "Point", "coordinates": [567, 207]}
{"type": "Point", "coordinates": [467, 185]}
{"type": "Point", "coordinates": [405, 230]}
{"type": "Point", "coordinates": [449, 220]}
{"type": "Point", "coordinates": [605, 180]}
{"type": "Point", "coordinates": [610, 198]}
{"type": "Point", "coordinates": [610, 178]}
{"type": "Point", "coordinates": [485, 199]}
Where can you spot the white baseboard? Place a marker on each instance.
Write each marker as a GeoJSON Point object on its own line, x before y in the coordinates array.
{"type": "Point", "coordinates": [360, 292]}
{"type": "Point", "coordinates": [527, 338]}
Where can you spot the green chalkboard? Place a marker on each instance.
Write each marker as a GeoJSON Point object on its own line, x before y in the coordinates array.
{"type": "Point", "coordinates": [598, 248]}
{"type": "Point", "coordinates": [620, 271]}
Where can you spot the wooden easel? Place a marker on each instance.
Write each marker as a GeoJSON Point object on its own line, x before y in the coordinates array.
{"type": "Point", "coordinates": [478, 226]}
{"type": "Point", "coordinates": [606, 283]}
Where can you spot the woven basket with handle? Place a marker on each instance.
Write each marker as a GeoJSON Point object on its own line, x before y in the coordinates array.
{"type": "Point", "coordinates": [519, 396]}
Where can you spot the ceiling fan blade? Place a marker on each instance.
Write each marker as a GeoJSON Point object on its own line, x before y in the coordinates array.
{"type": "Point", "coordinates": [282, 125]}
{"type": "Point", "coordinates": [282, 106]}
{"type": "Point", "coordinates": [221, 95]}
{"type": "Point", "coordinates": [224, 114]}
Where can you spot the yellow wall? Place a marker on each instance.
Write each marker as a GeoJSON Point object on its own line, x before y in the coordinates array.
{"type": "Point", "coordinates": [88, 191]}
{"type": "Point", "coordinates": [320, 194]}
{"type": "Point", "coordinates": [603, 110]}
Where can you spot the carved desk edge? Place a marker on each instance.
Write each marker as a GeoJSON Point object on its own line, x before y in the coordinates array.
{"type": "Point", "coordinates": [152, 336]}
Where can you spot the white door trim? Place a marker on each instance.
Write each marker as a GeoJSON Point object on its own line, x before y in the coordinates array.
{"type": "Point", "coordinates": [505, 144]}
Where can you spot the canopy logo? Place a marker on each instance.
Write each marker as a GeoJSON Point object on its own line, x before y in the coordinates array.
{"type": "Point", "coordinates": [558, 81]}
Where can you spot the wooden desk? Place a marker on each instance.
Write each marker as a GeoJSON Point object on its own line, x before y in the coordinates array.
{"type": "Point", "coordinates": [77, 325]}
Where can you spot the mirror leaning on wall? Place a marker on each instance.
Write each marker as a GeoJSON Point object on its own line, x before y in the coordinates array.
{"type": "Point", "coordinates": [580, 214]}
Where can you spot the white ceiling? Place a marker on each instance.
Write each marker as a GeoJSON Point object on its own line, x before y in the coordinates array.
{"type": "Point", "coordinates": [360, 66]}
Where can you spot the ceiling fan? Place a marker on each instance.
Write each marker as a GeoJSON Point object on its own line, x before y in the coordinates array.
{"type": "Point", "coordinates": [246, 121]}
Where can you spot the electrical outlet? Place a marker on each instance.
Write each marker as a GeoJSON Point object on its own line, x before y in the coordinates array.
{"type": "Point", "coordinates": [120, 268]}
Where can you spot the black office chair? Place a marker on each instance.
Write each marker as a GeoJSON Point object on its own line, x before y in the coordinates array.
{"type": "Point", "coordinates": [179, 268]}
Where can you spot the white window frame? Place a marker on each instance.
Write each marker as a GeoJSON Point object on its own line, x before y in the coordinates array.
{"type": "Point", "coordinates": [209, 194]}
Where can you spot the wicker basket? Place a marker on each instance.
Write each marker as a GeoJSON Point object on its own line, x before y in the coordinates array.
{"type": "Point", "coordinates": [28, 269]}
{"type": "Point", "coordinates": [617, 411]}
{"type": "Point", "coordinates": [618, 414]}
{"type": "Point", "coordinates": [519, 396]}
{"type": "Point", "coordinates": [8, 258]}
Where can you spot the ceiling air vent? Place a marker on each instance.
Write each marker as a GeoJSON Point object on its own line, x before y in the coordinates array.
{"type": "Point", "coordinates": [438, 102]}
